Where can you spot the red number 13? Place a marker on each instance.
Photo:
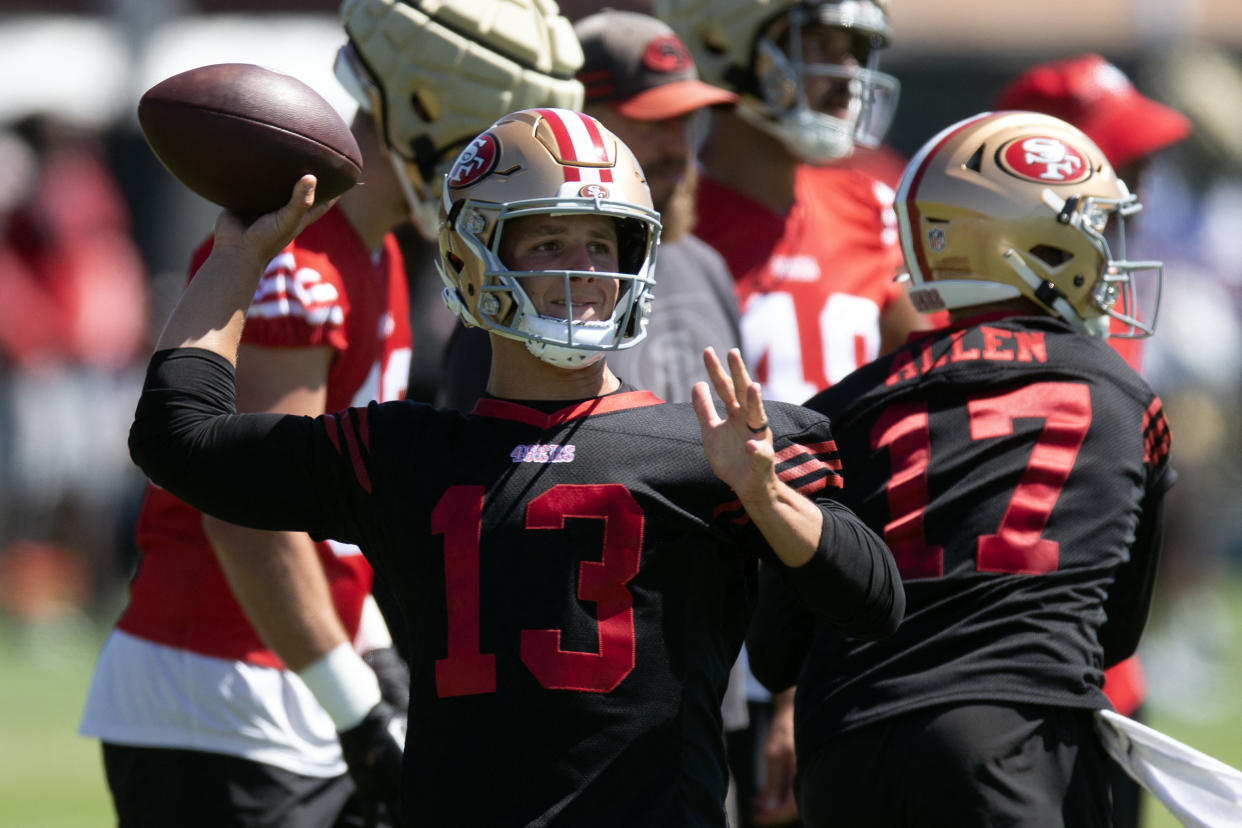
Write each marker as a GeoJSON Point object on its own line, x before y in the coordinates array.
{"type": "Point", "coordinates": [466, 670]}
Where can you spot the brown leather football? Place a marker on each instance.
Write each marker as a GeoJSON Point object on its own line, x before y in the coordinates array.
{"type": "Point", "coordinates": [240, 135]}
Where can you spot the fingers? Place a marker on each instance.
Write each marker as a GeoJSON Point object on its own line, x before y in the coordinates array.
{"type": "Point", "coordinates": [303, 193]}
{"type": "Point", "coordinates": [737, 369]}
{"type": "Point", "coordinates": [720, 380]}
{"type": "Point", "coordinates": [756, 417]}
{"type": "Point", "coordinates": [701, 399]}
{"type": "Point", "coordinates": [266, 235]}
{"type": "Point", "coordinates": [751, 395]}
{"type": "Point", "coordinates": [301, 200]}
{"type": "Point", "coordinates": [741, 395]}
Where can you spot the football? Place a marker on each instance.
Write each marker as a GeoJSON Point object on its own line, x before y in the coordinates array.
{"type": "Point", "coordinates": [240, 135]}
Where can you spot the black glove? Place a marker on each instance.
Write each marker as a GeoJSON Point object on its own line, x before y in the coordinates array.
{"type": "Point", "coordinates": [373, 749]}
{"type": "Point", "coordinates": [393, 674]}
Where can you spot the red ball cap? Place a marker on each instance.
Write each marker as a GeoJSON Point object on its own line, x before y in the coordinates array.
{"type": "Point", "coordinates": [1097, 97]}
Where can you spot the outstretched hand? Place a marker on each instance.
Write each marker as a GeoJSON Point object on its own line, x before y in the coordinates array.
{"type": "Point", "coordinates": [739, 444]}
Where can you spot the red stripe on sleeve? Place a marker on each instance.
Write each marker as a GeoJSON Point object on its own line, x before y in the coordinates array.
{"type": "Point", "coordinates": [1156, 437]}
{"type": "Point", "coordinates": [332, 426]}
{"type": "Point", "coordinates": [733, 509]}
{"type": "Point", "coordinates": [817, 450]}
{"type": "Point", "coordinates": [355, 457]}
{"type": "Point", "coordinates": [364, 427]}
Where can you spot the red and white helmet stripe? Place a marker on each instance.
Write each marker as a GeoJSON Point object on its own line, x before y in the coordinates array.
{"type": "Point", "coordinates": [580, 145]}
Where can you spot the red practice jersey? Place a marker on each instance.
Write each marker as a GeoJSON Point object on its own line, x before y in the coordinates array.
{"type": "Point", "coordinates": [811, 282]}
{"type": "Point", "coordinates": [324, 289]}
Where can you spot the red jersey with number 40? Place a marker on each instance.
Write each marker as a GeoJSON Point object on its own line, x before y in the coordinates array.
{"type": "Point", "coordinates": [812, 282]}
{"type": "Point", "coordinates": [326, 289]}
{"type": "Point", "coordinates": [1015, 468]}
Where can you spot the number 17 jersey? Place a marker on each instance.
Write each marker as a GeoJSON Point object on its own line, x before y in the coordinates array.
{"type": "Point", "coordinates": [1015, 468]}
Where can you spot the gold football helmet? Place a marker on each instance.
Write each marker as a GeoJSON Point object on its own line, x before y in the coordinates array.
{"type": "Point", "coordinates": [546, 161]}
{"type": "Point", "coordinates": [1009, 204]}
{"type": "Point", "coordinates": [755, 48]}
{"type": "Point", "coordinates": [435, 72]}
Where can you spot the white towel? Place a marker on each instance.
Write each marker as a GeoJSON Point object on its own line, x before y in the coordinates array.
{"type": "Point", "coordinates": [1202, 792]}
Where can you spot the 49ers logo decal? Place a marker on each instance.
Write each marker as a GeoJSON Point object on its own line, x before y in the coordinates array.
{"type": "Point", "coordinates": [476, 161]}
{"type": "Point", "coordinates": [1045, 160]}
{"type": "Point", "coordinates": [666, 54]}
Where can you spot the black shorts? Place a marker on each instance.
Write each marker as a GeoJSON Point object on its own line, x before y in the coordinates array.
{"type": "Point", "coordinates": [964, 766]}
{"type": "Point", "coordinates": [194, 789]}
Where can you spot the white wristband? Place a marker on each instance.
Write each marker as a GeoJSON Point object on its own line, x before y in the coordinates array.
{"type": "Point", "coordinates": [343, 685]}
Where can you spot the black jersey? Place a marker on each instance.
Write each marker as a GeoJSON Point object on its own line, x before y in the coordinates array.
{"type": "Point", "coordinates": [576, 584]}
{"type": "Point", "coordinates": [1016, 470]}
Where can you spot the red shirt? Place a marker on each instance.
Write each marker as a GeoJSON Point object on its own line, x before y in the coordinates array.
{"type": "Point", "coordinates": [811, 282]}
{"type": "Point", "coordinates": [325, 289]}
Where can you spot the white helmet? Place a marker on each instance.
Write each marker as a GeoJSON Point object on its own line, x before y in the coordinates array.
{"type": "Point", "coordinates": [735, 46]}
{"type": "Point", "coordinates": [433, 73]}
{"type": "Point", "coordinates": [546, 161]}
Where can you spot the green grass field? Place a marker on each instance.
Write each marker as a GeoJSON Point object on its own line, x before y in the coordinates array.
{"type": "Point", "coordinates": [52, 778]}
{"type": "Point", "coordinates": [49, 776]}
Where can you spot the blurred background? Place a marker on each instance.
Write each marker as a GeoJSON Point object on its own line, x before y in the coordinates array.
{"type": "Point", "coordinates": [95, 237]}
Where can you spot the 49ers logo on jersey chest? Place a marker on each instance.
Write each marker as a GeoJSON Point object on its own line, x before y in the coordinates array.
{"type": "Point", "coordinates": [1044, 159]}
{"type": "Point", "coordinates": [543, 453]}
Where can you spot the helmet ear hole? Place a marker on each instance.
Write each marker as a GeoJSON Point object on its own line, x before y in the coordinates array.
{"type": "Point", "coordinates": [1051, 256]}
{"type": "Point", "coordinates": [975, 164]}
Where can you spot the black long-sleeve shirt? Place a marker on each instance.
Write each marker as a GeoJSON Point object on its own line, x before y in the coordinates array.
{"type": "Point", "coordinates": [575, 580]}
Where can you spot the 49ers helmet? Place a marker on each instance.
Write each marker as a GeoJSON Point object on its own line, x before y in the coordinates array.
{"type": "Point", "coordinates": [546, 161]}
{"type": "Point", "coordinates": [1009, 204]}
{"type": "Point", "coordinates": [434, 72]}
{"type": "Point", "coordinates": [736, 46]}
